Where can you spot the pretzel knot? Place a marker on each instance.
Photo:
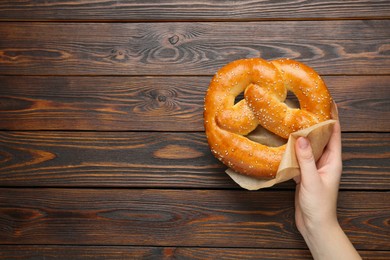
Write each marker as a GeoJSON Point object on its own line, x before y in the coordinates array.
{"type": "Point", "coordinates": [265, 85]}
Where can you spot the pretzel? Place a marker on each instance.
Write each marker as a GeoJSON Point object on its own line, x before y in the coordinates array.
{"type": "Point", "coordinates": [265, 85]}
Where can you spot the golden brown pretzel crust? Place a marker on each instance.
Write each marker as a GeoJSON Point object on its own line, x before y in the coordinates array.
{"type": "Point", "coordinates": [265, 86]}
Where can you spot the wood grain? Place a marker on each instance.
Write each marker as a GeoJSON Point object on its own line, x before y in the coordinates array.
{"type": "Point", "coordinates": [211, 218]}
{"type": "Point", "coordinates": [158, 103]}
{"type": "Point", "coordinates": [140, 252]}
{"type": "Point", "coordinates": [331, 47]}
{"type": "Point", "coordinates": [102, 149]}
{"type": "Point", "coordinates": [175, 160]}
{"type": "Point", "coordinates": [184, 10]}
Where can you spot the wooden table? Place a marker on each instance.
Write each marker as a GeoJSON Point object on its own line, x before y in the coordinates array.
{"type": "Point", "coordinates": [102, 146]}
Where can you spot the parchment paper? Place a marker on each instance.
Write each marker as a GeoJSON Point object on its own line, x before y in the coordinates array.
{"type": "Point", "coordinates": [318, 136]}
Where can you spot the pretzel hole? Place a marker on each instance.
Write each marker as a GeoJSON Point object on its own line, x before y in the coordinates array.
{"type": "Point", "coordinates": [239, 98]}
{"type": "Point", "coordinates": [263, 136]}
{"type": "Point", "coordinates": [292, 100]}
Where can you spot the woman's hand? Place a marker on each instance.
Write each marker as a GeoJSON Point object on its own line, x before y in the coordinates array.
{"type": "Point", "coordinates": [316, 200]}
{"type": "Point", "coordinates": [317, 187]}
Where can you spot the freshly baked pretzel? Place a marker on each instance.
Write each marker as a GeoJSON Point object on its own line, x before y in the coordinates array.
{"type": "Point", "coordinates": [265, 85]}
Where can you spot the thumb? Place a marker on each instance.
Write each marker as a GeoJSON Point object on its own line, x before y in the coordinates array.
{"type": "Point", "coordinates": [307, 164]}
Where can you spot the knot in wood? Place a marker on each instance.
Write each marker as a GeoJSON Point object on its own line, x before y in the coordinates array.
{"type": "Point", "coordinates": [119, 54]}
{"type": "Point", "coordinates": [162, 98]}
{"type": "Point", "coordinates": [159, 97]}
{"type": "Point", "coordinates": [174, 39]}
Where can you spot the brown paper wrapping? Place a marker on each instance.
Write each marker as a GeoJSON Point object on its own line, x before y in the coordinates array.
{"type": "Point", "coordinates": [318, 136]}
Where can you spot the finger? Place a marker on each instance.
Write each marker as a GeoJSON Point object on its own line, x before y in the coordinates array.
{"type": "Point", "coordinates": [334, 144]}
{"type": "Point", "coordinates": [332, 152]}
{"type": "Point", "coordinates": [296, 196]}
{"type": "Point", "coordinates": [333, 160]}
{"type": "Point", "coordinates": [331, 157]}
{"type": "Point", "coordinates": [307, 164]}
{"type": "Point", "coordinates": [297, 179]}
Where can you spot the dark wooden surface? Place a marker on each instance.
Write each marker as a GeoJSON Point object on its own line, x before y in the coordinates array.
{"type": "Point", "coordinates": [331, 46]}
{"type": "Point", "coordinates": [158, 103]}
{"type": "Point", "coordinates": [102, 149]}
{"type": "Point", "coordinates": [179, 10]}
{"type": "Point", "coordinates": [150, 159]}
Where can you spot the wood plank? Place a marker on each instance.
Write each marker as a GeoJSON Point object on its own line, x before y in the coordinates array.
{"type": "Point", "coordinates": [211, 218]}
{"type": "Point", "coordinates": [158, 103]}
{"type": "Point", "coordinates": [174, 160]}
{"type": "Point", "coordinates": [102, 103]}
{"type": "Point", "coordinates": [149, 10]}
{"type": "Point", "coordinates": [331, 47]}
{"type": "Point", "coordinates": [138, 252]}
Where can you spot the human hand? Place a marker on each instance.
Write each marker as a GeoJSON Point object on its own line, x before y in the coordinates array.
{"type": "Point", "coordinates": [316, 200]}
{"type": "Point", "coordinates": [317, 186]}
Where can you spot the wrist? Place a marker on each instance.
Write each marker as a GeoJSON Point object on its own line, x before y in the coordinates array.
{"type": "Point", "coordinates": [322, 231]}
{"type": "Point", "coordinates": [330, 242]}
{"type": "Point", "coordinates": [319, 239]}
{"type": "Point", "coordinates": [313, 229]}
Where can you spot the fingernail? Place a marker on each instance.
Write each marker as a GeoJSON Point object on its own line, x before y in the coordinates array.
{"type": "Point", "coordinates": [303, 142]}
